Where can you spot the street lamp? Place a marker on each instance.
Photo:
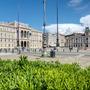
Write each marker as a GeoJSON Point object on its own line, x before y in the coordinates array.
{"type": "Point", "coordinates": [18, 39]}
{"type": "Point", "coordinates": [57, 39]}
{"type": "Point", "coordinates": [44, 43]}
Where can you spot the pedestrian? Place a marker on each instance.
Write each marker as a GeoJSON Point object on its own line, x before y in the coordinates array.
{"type": "Point", "coordinates": [63, 50]}
{"type": "Point", "coordinates": [53, 53]}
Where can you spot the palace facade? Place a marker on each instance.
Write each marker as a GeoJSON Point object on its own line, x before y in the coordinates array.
{"type": "Point", "coordinates": [79, 40]}
{"type": "Point", "coordinates": [15, 35]}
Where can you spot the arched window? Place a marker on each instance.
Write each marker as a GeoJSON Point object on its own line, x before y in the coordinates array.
{"type": "Point", "coordinates": [24, 43]}
{"type": "Point", "coordinates": [21, 34]}
{"type": "Point", "coordinates": [24, 33]}
{"type": "Point", "coordinates": [21, 43]}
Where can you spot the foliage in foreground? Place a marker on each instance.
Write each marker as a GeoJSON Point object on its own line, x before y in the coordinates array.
{"type": "Point", "coordinates": [37, 75]}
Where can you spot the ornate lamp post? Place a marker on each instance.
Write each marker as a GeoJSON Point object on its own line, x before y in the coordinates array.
{"type": "Point", "coordinates": [44, 43]}
{"type": "Point", "coordinates": [57, 39]}
{"type": "Point", "coordinates": [18, 39]}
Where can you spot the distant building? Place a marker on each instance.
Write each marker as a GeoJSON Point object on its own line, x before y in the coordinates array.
{"type": "Point", "coordinates": [62, 40]}
{"type": "Point", "coordinates": [79, 40]}
{"type": "Point", "coordinates": [51, 40]}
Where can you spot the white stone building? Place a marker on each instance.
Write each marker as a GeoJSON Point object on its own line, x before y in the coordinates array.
{"type": "Point", "coordinates": [52, 38]}
{"type": "Point", "coordinates": [35, 39]}
{"type": "Point", "coordinates": [79, 40]}
{"type": "Point", "coordinates": [14, 35]}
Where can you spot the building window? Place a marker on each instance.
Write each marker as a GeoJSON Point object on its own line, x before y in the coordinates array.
{"type": "Point", "coordinates": [9, 39]}
{"type": "Point", "coordinates": [21, 43]}
{"type": "Point", "coordinates": [24, 43]}
{"type": "Point", "coordinates": [24, 33]}
{"type": "Point", "coordinates": [5, 40]}
{"type": "Point", "coordinates": [81, 44]}
{"type": "Point", "coordinates": [87, 39]}
{"type": "Point", "coordinates": [9, 45]}
{"type": "Point", "coordinates": [17, 43]}
{"type": "Point", "coordinates": [81, 39]}
{"type": "Point", "coordinates": [5, 34]}
{"type": "Point", "coordinates": [1, 34]}
{"type": "Point", "coordinates": [86, 45]}
{"type": "Point", "coordinates": [21, 34]}
{"type": "Point", "coordinates": [30, 34]}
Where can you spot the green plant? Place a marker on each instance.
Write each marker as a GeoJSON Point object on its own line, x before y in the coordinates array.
{"type": "Point", "coordinates": [37, 75]}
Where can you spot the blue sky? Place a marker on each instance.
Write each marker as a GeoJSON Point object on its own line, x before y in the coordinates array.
{"type": "Point", "coordinates": [31, 11]}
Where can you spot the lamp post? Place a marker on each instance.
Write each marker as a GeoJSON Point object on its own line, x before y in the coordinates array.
{"type": "Point", "coordinates": [44, 43]}
{"type": "Point", "coordinates": [18, 39]}
{"type": "Point", "coordinates": [77, 45]}
{"type": "Point", "coordinates": [57, 40]}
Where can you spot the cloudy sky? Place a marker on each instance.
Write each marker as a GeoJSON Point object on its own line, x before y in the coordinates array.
{"type": "Point", "coordinates": [69, 28]}
{"type": "Point", "coordinates": [75, 17]}
{"type": "Point", "coordinates": [72, 14]}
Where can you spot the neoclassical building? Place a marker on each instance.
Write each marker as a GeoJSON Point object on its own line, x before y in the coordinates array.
{"type": "Point", "coordinates": [14, 35]}
{"type": "Point", "coordinates": [35, 39]}
{"type": "Point", "coordinates": [23, 33]}
{"type": "Point", "coordinates": [79, 40]}
{"type": "Point", "coordinates": [7, 37]}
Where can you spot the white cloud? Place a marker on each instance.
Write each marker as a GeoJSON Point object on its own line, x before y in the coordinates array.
{"type": "Point", "coordinates": [74, 3]}
{"type": "Point", "coordinates": [65, 28]}
{"type": "Point", "coordinates": [85, 20]}
{"type": "Point", "coordinates": [69, 28]}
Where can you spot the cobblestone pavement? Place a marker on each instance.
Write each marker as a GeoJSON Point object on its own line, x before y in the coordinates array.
{"type": "Point", "coordinates": [82, 58]}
